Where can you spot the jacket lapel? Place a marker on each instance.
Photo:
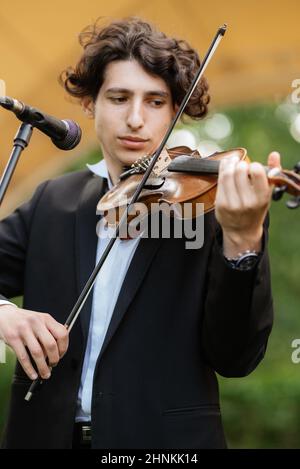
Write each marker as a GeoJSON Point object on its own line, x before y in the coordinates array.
{"type": "Point", "coordinates": [137, 270]}
{"type": "Point", "coordinates": [86, 241]}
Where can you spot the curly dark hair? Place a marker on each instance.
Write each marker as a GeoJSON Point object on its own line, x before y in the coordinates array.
{"type": "Point", "coordinates": [175, 61]}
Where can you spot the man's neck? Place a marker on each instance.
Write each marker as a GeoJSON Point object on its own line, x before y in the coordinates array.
{"type": "Point", "coordinates": [114, 169]}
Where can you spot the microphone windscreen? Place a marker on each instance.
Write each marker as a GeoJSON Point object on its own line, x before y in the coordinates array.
{"type": "Point", "coordinates": [72, 137]}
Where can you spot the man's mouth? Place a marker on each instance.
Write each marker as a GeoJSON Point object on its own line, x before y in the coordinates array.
{"type": "Point", "coordinates": [134, 143]}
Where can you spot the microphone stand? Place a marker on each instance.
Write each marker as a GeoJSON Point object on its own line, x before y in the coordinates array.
{"type": "Point", "coordinates": [21, 141]}
{"type": "Point", "coordinates": [90, 282]}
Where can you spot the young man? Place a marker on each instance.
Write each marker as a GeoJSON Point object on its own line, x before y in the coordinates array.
{"type": "Point", "coordinates": [139, 368]}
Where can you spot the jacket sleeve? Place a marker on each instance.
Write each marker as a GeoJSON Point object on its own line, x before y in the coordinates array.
{"type": "Point", "coordinates": [14, 236]}
{"type": "Point", "coordinates": [238, 314]}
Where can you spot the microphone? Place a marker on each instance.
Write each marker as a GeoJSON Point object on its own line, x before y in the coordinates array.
{"type": "Point", "coordinates": [65, 134]}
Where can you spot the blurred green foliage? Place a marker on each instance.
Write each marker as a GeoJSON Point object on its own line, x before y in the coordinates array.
{"type": "Point", "coordinates": [261, 410]}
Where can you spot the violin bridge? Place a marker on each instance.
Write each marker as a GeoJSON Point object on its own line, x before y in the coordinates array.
{"type": "Point", "coordinates": [162, 163]}
{"type": "Point", "coordinates": [142, 164]}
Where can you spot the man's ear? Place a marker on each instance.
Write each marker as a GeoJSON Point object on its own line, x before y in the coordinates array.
{"type": "Point", "coordinates": [88, 107]}
{"type": "Point", "coordinates": [175, 109]}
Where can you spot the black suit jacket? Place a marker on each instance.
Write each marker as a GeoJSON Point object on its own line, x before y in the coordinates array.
{"type": "Point", "coordinates": [181, 316]}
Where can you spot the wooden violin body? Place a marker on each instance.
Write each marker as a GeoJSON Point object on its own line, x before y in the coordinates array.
{"type": "Point", "coordinates": [169, 187]}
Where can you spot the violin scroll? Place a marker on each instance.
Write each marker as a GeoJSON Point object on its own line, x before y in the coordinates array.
{"type": "Point", "coordinates": [294, 202]}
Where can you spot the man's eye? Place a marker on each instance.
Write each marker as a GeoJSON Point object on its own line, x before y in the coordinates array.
{"type": "Point", "coordinates": [157, 102]}
{"type": "Point", "coordinates": [118, 99]}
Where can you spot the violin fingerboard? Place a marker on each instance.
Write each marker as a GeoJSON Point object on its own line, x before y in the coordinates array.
{"type": "Point", "coordinates": [189, 164]}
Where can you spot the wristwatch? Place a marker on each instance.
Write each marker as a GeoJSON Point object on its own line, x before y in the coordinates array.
{"type": "Point", "coordinates": [244, 261]}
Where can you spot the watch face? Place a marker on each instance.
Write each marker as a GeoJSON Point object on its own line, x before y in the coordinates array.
{"type": "Point", "coordinates": [247, 262]}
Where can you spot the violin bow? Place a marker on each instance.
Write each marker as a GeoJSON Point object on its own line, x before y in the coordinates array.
{"type": "Point", "coordinates": [90, 282]}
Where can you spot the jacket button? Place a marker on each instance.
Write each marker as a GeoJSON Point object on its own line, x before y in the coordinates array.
{"type": "Point", "coordinates": [100, 394]}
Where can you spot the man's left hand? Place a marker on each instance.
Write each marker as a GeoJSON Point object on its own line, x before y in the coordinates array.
{"type": "Point", "coordinates": [242, 201]}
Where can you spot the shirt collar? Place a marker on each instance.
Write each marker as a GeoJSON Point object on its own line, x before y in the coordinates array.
{"type": "Point", "coordinates": [100, 169]}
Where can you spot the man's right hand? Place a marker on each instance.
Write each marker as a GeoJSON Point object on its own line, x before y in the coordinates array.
{"type": "Point", "coordinates": [44, 337]}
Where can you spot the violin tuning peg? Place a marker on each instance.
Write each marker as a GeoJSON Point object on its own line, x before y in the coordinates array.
{"type": "Point", "coordinates": [278, 192]}
{"type": "Point", "coordinates": [294, 202]}
{"type": "Point", "coordinates": [297, 167]}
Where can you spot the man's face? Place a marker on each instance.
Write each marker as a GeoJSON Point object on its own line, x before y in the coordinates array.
{"type": "Point", "coordinates": [133, 110]}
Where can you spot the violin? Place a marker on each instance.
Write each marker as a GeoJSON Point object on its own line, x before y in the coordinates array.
{"type": "Point", "coordinates": [181, 175]}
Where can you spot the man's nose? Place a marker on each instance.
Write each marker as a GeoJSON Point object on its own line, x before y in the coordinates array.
{"type": "Point", "coordinates": [135, 119]}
